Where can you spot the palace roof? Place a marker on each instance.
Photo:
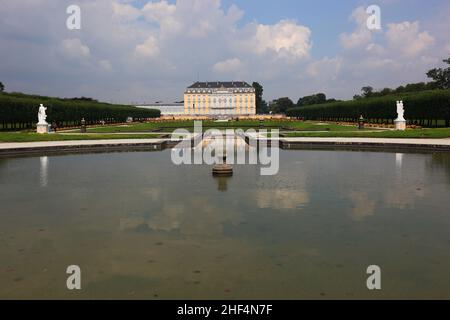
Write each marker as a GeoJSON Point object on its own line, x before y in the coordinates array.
{"type": "Point", "coordinates": [220, 84]}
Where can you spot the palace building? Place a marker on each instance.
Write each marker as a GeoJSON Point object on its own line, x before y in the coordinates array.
{"type": "Point", "coordinates": [235, 98]}
{"type": "Point", "coordinates": [211, 99]}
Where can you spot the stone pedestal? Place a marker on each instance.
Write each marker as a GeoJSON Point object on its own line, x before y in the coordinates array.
{"type": "Point", "coordinates": [361, 123]}
{"type": "Point", "coordinates": [42, 128]}
{"type": "Point", "coordinates": [400, 125]}
{"type": "Point", "coordinates": [83, 126]}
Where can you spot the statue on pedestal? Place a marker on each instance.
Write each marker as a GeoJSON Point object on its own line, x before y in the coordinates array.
{"type": "Point", "coordinates": [42, 125]}
{"type": "Point", "coordinates": [400, 122]}
{"type": "Point", "coordinates": [42, 116]}
{"type": "Point", "coordinates": [400, 111]}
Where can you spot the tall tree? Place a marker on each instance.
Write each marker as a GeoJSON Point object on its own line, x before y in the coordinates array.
{"type": "Point", "coordinates": [367, 91]}
{"type": "Point", "coordinates": [312, 99]}
{"type": "Point", "coordinates": [441, 76]}
{"type": "Point", "coordinates": [2, 87]}
{"type": "Point", "coordinates": [261, 107]}
{"type": "Point", "coordinates": [282, 104]}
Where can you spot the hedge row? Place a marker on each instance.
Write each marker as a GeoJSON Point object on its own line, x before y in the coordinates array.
{"type": "Point", "coordinates": [19, 111]}
{"type": "Point", "coordinates": [423, 108]}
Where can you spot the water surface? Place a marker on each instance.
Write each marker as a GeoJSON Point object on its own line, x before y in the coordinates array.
{"type": "Point", "coordinates": [140, 227]}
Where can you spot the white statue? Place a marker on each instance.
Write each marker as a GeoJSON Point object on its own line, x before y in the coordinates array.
{"type": "Point", "coordinates": [42, 116]}
{"type": "Point", "coordinates": [400, 111]}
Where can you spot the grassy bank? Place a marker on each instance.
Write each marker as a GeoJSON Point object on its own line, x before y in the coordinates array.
{"type": "Point", "coordinates": [31, 137]}
{"type": "Point", "coordinates": [291, 129]}
{"type": "Point", "coordinates": [411, 133]}
{"type": "Point", "coordinates": [189, 125]}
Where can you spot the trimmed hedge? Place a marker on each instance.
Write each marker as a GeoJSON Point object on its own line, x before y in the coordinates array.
{"type": "Point", "coordinates": [19, 111]}
{"type": "Point", "coordinates": [423, 108]}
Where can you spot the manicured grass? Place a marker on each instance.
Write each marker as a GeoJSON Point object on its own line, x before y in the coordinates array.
{"type": "Point", "coordinates": [30, 137]}
{"type": "Point", "coordinates": [410, 133]}
{"type": "Point", "coordinates": [189, 125]}
{"type": "Point", "coordinates": [303, 129]}
{"type": "Point", "coordinates": [317, 126]}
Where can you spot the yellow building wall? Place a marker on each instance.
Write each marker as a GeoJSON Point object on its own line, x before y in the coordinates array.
{"type": "Point", "coordinates": [193, 103]}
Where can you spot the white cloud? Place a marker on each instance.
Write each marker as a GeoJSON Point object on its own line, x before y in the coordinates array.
{"type": "Point", "coordinates": [325, 68]}
{"type": "Point", "coordinates": [125, 11]}
{"type": "Point", "coordinates": [362, 35]}
{"type": "Point", "coordinates": [286, 39]}
{"type": "Point", "coordinates": [74, 48]}
{"type": "Point", "coordinates": [148, 49]}
{"type": "Point", "coordinates": [169, 42]}
{"type": "Point", "coordinates": [406, 38]}
{"type": "Point", "coordinates": [228, 66]}
{"type": "Point", "coordinates": [159, 11]}
{"type": "Point", "coordinates": [106, 64]}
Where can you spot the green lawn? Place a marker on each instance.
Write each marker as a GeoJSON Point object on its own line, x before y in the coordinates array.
{"type": "Point", "coordinates": [410, 133]}
{"type": "Point", "coordinates": [30, 137]}
{"type": "Point", "coordinates": [302, 128]}
{"type": "Point", "coordinates": [189, 125]}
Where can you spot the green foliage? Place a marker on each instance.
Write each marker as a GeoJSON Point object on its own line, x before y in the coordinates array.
{"type": "Point", "coordinates": [427, 105]}
{"type": "Point", "coordinates": [21, 109]}
{"type": "Point", "coordinates": [261, 105]}
{"type": "Point", "coordinates": [367, 91]}
{"type": "Point", "coordinates": [318, 98]}
{"type": "Point", "coordinates": [282, 105]}
{"type": "Point", "coordinates": [2, 87]}
{"type": "Point", "coordinates": [441, 76]}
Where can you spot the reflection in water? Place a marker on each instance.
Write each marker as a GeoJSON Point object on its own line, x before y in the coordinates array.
{"type": "Point", "coordinates": [398, 161]}
{"type": "Point", "coordinates": [441, 162]}
{"type": "Point", "coordinates": [362, 205]}
{"type": "Point", "coordinates": [222, 183]}
{"type": "Point", "coordinates": [281, 199]}
{"type": "Point", "coordinates": [44, 171]}
{"type": "Point", "coordinates": [142, 227]}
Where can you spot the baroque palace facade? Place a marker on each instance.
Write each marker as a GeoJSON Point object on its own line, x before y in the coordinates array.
{"type": "Point", "coordinates": [220, 99]}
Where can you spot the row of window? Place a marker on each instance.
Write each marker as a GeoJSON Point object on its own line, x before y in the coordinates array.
{"type": "Point", "coordinates": [200, 106]}
{"type": "Point", "coordinates": [230, 101]}
{"type": "Point", "coordinates": [205, 108]}
{"type": "Point", "coordinates": [211, 91]}
{"type": "Point", "coordinates": [220, 100]}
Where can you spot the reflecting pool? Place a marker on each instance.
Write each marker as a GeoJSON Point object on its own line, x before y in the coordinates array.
{"type": "Point", "coordinates": [140, 227]}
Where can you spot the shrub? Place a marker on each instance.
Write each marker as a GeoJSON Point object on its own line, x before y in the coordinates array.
{"type": "Point", "coordinates": [422, 107]}
{"type": "Point", "coordinates": [20, 111]}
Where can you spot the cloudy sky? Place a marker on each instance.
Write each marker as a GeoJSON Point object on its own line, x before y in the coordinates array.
{"type": "Point", "coordinates": [146, 51]}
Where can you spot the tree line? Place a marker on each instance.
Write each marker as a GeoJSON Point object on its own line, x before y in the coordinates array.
{"type": "Point", "coordinates": [427, 108]}
{"type": "Point", "coordinates": [19, 111]}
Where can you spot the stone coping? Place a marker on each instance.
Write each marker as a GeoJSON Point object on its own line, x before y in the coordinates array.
{"type": "Point", "coordinates": [18, 148]}
{"type": "Point", "coordinates": [285, 143]}
{"type": "Point", "coordinates": [367, 143]}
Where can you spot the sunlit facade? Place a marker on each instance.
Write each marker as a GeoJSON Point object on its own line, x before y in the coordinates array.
{"type": "Point", "coordinates": [220, 99]}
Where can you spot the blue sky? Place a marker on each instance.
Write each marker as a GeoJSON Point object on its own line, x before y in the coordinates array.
{"type": "Point", "coordinates": [144, 51]}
